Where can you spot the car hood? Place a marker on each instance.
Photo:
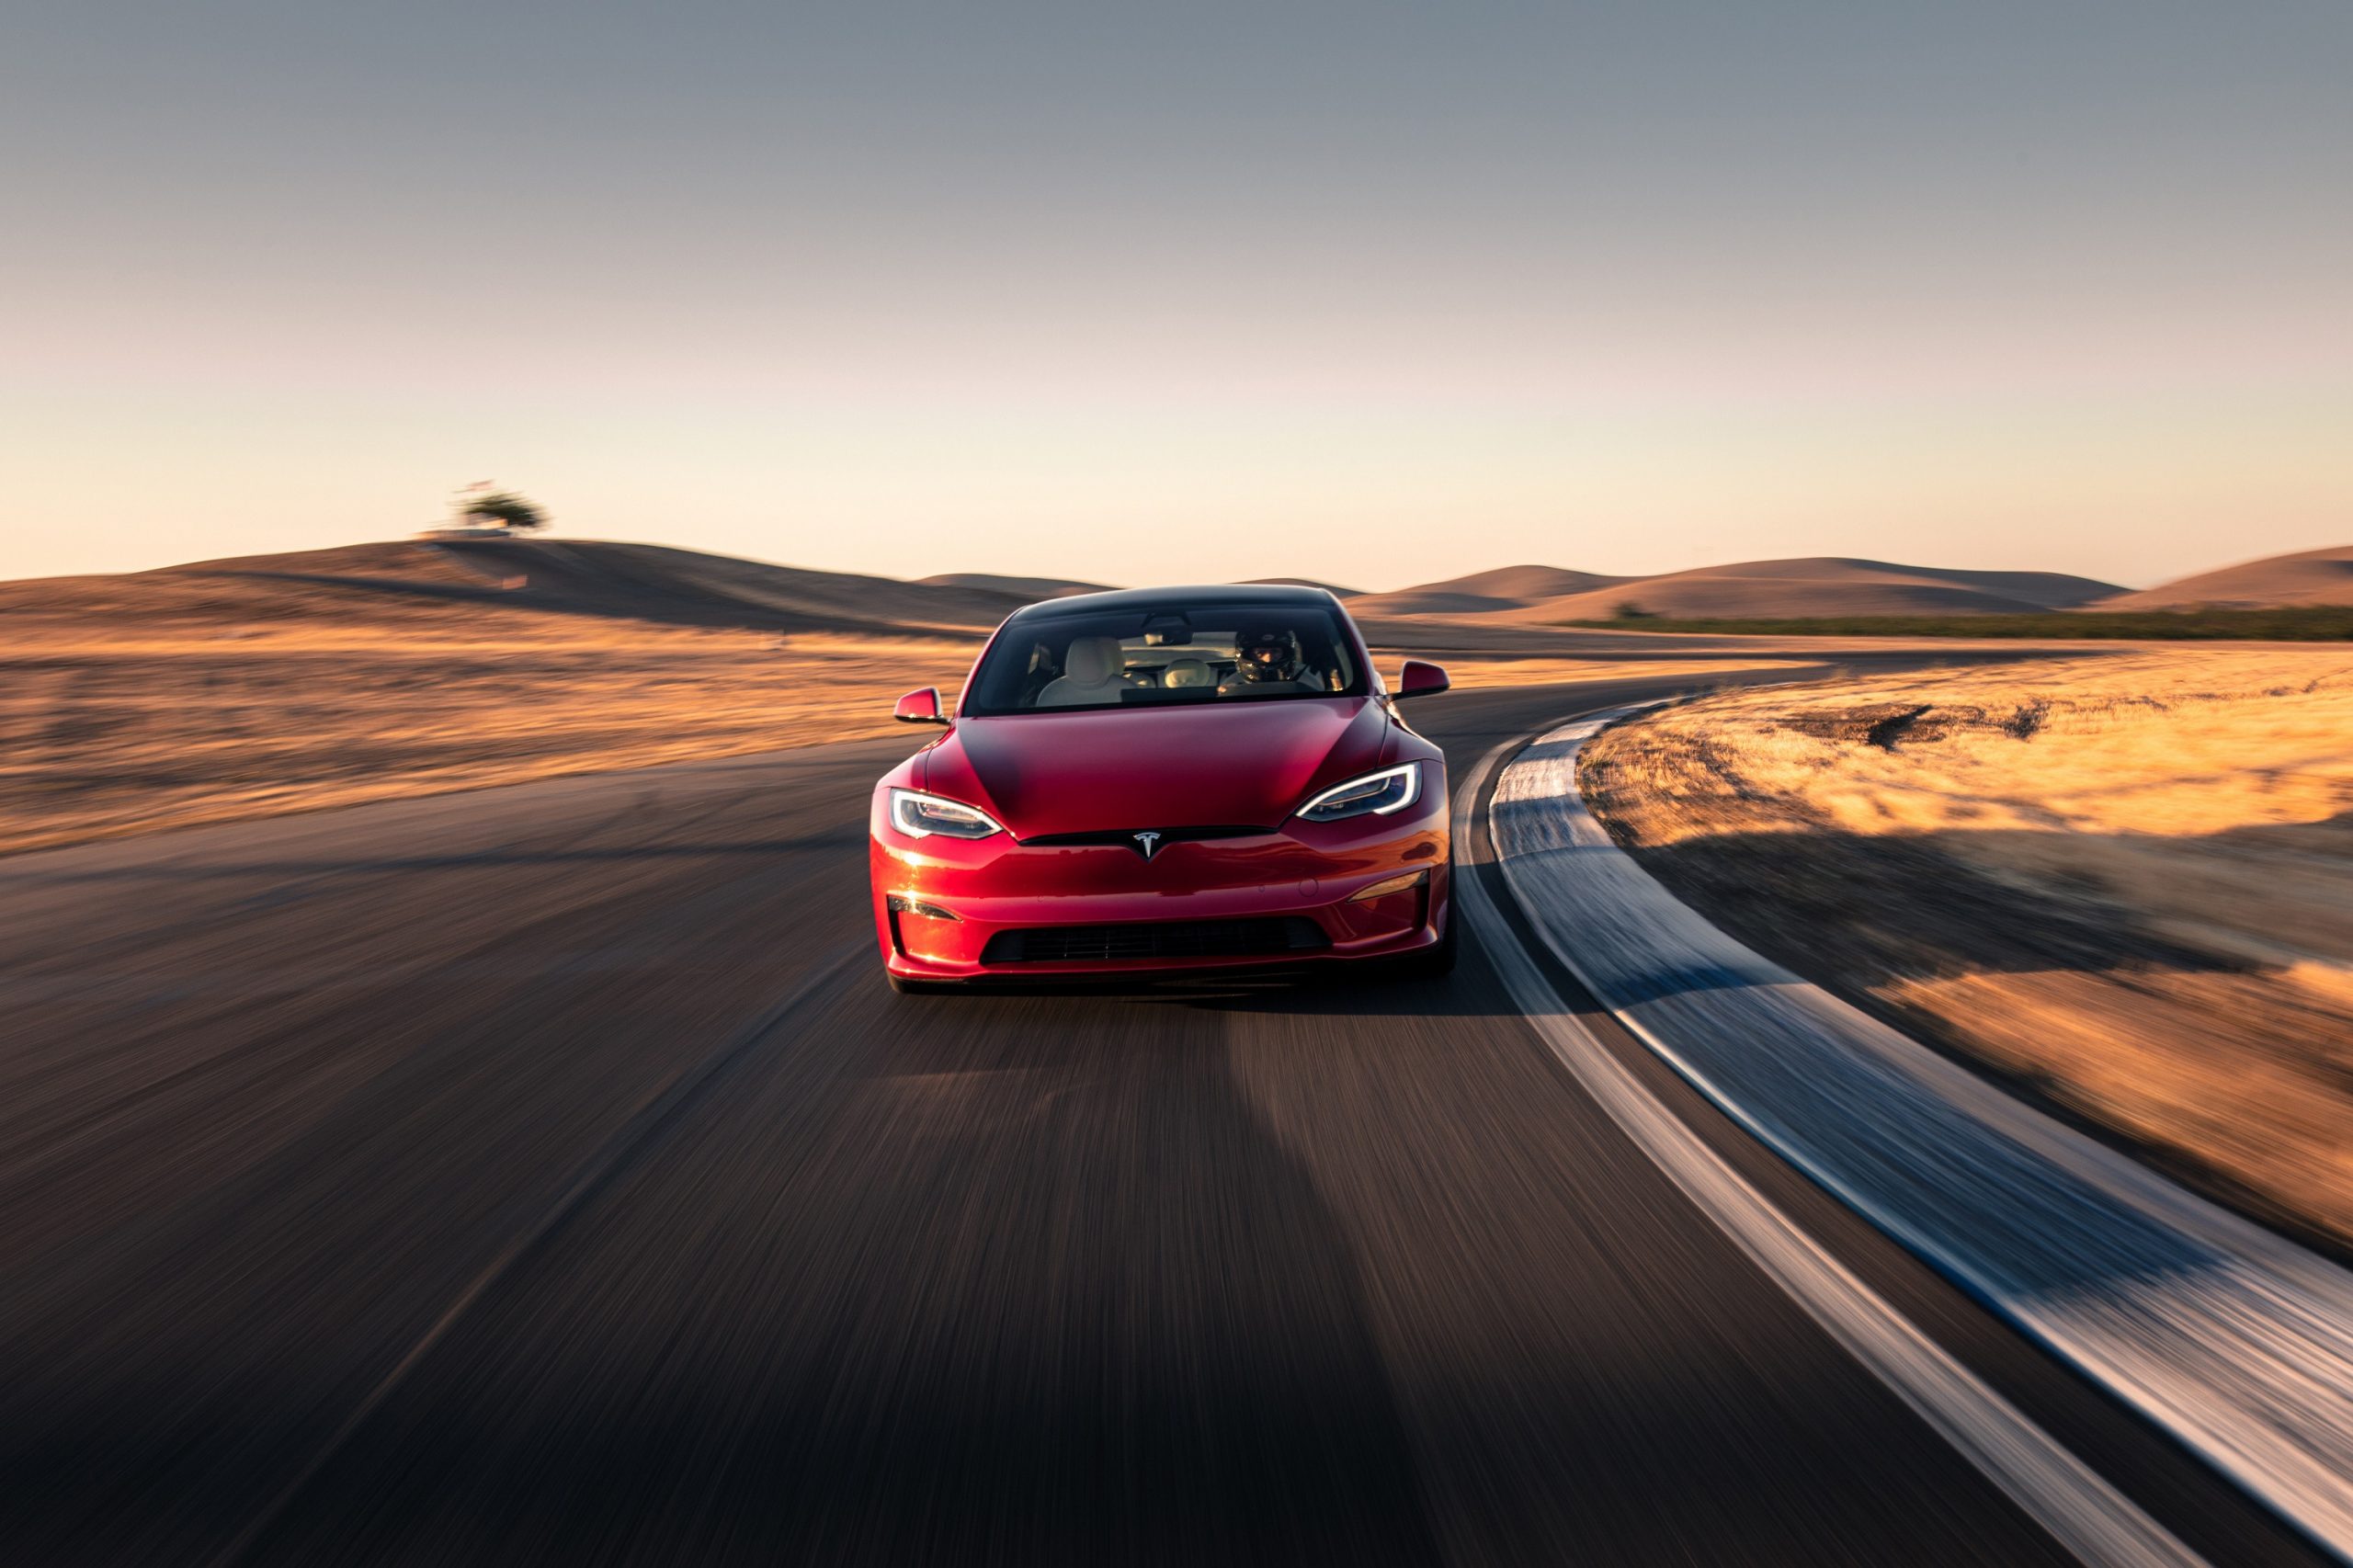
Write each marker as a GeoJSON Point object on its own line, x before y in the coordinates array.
{"type": "Point", "coordinates": [1227, 763]}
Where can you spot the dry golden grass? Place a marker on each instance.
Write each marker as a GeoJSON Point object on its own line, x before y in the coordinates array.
{"type": "Point", "coordinates": [2125, 881]}
{"type": "Point", "coordinates": [146, 734]}
{"type": "Point", "coordinates": [163, 700]}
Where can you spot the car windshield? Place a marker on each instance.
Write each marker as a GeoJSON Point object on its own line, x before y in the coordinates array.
{"type": "Point", "coordinates": [1167, 655]}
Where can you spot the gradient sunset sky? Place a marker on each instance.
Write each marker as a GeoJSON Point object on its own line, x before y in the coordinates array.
{"type": "Point", "coordinates": [1378, 293]}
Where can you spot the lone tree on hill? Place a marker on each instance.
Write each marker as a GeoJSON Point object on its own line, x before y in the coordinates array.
{"type": "Point", "coordinates": [504, 509]}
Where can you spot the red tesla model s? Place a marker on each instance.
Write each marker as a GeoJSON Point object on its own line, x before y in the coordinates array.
{"type": "Point", "coordinates": [1166, 779]}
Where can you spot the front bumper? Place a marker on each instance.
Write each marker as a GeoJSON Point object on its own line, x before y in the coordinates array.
{"type": "Point", "coordinates": [1305, 870]}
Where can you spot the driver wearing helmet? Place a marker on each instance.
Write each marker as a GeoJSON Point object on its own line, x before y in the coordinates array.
{"type": "Point", "coordinates": [1267, 658]}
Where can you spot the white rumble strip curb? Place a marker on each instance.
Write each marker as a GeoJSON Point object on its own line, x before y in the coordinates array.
{"type": "Point", "coordinates": [2073, 1503]}
{"type": "Point", "coordinates": [2234, 1340]}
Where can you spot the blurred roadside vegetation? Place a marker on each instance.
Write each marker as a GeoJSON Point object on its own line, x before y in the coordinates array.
{"type": "Point", "coordinates": [2120, 882]}
{"type": "Point", "coordinates": [2324, 623]}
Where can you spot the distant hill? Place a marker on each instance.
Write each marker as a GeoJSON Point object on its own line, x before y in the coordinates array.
{"type": "Point", "coordinates": [2279, 582]}
{"type": "Point", "coordinates": [1818, 586]}
{"type": "Point", "coordinates": [1028, 589]}
{"type": "Point", "coordinates": [693, 588]}
{"type": "Point", "coordinates": [361, 582]}
{"type": "Point", "coordinates": [1333, 588]}
{"type": "Point", "coordinates": [1811, 586]}
{"type": "Point", "coordinates": [680, 587]}
{"type": "Point", "coordinates": [1484, 593]}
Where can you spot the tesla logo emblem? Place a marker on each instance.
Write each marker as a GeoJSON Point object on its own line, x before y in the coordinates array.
{"type": "Point", "coordinates": [1147, 844]}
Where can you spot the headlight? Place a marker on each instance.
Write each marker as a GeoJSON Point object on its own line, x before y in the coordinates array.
{"type": "Point", "coordinates": [919, 815]}
{"type": "Point", "coordinates": [1375, 794]}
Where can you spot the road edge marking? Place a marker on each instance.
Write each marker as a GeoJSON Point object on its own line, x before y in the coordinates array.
{"type": "Point", "coordinates": [2059, 1491]}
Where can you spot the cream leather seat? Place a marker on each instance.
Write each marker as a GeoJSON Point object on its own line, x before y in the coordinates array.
{"type": "Point", "coordinates": [1095, 671]}
{"type": "Point", "coordinates": [1188, 672]}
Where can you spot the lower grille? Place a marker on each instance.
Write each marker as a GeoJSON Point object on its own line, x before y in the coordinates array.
{"type": "Point", "coordinates": [1163, 939]}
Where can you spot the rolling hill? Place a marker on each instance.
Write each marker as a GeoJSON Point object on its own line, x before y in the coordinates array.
{"type": "Point", "coordinates": [1028, 590]}
{"type": "Point", "coordinates": [685, 588]}
{"type": "Point", "coordinates": [655, 583]}
{"type": "Point", "coordinates": [1804, 586]}
{"type": "Point", "coordinates": [2311, 577]}
{"type": "Point", "coordinates": [1334, 589]}
{"type": "Point", "coordinates": [1827, 586]}
{"type": "Point", "coordinates": [406, 579]}
{"type": "Point", "coordinates": [1485, 593]}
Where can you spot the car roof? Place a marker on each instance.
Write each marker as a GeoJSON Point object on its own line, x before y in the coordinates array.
{"type": "Point", "coordinates": [1114, 600]}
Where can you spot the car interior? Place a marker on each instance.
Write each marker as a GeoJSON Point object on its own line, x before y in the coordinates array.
{"type": "Point", "coordinates": [1170, 659]}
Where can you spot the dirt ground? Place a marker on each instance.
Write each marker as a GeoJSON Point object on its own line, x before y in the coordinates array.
{"type": "Point", "coordinates": [2125, 884]}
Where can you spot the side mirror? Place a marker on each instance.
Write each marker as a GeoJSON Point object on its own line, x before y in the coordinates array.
{"type": "Point", "coordinates": [1418, 679]}
{"type": "Point", "coordinates": [920, 708]}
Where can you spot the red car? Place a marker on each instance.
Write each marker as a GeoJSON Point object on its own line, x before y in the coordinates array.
{"type": "Point", "coordinates": [1165, 781]}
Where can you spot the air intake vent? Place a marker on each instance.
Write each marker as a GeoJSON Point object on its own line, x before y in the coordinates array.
{"type": "Point", "coordinates": [1163, 939]}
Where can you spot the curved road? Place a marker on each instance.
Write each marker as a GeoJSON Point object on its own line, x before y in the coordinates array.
{"type": "Point", "coordinates": [545, 1175]}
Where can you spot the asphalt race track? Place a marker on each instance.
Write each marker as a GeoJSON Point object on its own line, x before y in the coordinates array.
{"type": "Point", "coordinates": [546, 1175]}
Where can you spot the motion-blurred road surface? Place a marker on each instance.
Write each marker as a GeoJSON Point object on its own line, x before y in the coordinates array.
{"type": "Point", "coordinates": [545, 1175]}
